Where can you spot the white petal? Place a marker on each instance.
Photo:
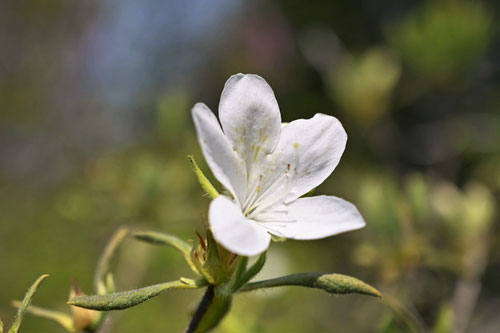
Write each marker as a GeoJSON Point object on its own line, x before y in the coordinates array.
{"type": "Point", "coordinates": [225, 164]}
{"type": "Point", "coordinates": [317, 217]}
{"type": "Point", "coordinates": [234, 231]}
{"type": "Point", "coordinates": [250, 117]}
{"type": "Point", "coordinates": [308, 152]}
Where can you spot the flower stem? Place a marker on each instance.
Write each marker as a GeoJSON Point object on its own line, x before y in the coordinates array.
{"type": "Point", "coordinates": [213, 307]}
{"type": "Point", "coordinates": [202, 309]}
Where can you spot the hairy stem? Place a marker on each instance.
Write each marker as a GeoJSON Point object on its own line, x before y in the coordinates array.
{"type": "Point", "coordinates": [201, 310]}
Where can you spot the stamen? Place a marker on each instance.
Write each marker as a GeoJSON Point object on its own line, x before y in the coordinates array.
{"type": "Point", "coordinates": [262, 197]}
{"type": "Point", "coordinates": [272, 186]}
{"type": "Point", "coordinates": [251, 197]}
{"type": "Point", "coordinates": [265, 201]}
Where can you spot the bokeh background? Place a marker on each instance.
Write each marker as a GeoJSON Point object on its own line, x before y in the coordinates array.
{"type": "Point", "coordinates": [95, 127]}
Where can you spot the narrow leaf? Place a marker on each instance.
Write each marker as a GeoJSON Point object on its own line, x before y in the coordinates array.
{"type": "Point", "coordinates": [25, 303]}
{"type": "Point", "coordinates": [126, 299]}
{"type": "Point", "coordinates": [251, 272]}
{"type": "Point", "coordinates": [60, 317]}
{"type": "Point", "coordinates": [110, 283]}
{"type": "Point", "coordinates": [104, 261]}
{"type": "Point", "coordinates": [204, 182]}
{"type": "Point", "coordinates": [445, 320]}
{"type": "Point", "coordinates": [415, 325]}
{"type": "Point", "coordinates": [331, 283]}
{"type": "Point", "coordinates": [161, 238]}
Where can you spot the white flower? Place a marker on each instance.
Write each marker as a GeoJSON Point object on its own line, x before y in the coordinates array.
{"type": "Point", "coordinates": [267, 168]}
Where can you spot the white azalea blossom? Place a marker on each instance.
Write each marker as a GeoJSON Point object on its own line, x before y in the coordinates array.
{"type": "Point", "coordinates": [266, 168]}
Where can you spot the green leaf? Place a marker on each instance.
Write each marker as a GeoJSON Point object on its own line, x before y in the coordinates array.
{"type": "Point", "coordinates": [60, 317]}
{"type": "Point", "coordinates": [204, 182]}
{"type": "Point", "coordinates": [25, 303]}
{"type": "Point", "coordinates": [1, 326]}
{"type": "Point", "coordinates": [331, 283]}
{"type": "Point", "coordinates": [100, 276]}
{"type": "Point", "coordinates": [251, 272]}
{"type": "Point", "coordinates": [126, 299]}
{"type": "Point", "coordinates": [160, 238]}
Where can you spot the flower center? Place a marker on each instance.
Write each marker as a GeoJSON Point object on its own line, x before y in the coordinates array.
{"type": "Point", "coordinates": [266, 193]}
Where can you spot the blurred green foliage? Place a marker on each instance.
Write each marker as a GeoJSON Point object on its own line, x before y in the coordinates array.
{"type": "Point", "coordinates": [415, 84]}
{"type": "Point", "coordinates": [363, 85]}
{"type": "Point", "coordinates": [444, 39]}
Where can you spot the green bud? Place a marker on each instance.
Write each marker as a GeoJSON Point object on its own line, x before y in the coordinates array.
{"type": "Point", "coordinates": [343, 284]}
{"type": "Point", "coordinates": [25, 303]}
{"type": "Point", "coordinates": [331, 283]}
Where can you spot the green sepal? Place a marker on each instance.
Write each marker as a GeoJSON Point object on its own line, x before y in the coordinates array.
{"type": "Point", "coordinates": [126, 299]}
{"type": "Point", "coordinates": [240, 270]}
{"type": "Point", "coordinates": [278, 239]}
{"type": "Point", "coordinates": [103, 266]}
{"type": "Point", "coordinates": [25, 303]}
{"type": "Point", "coordinates": [204, 182]}
{"type": "Point", "coordinates": [61, 318]}
{"type": "Point", "coordinates": [161, 238]}
{"type": "Point", "coordinates": [331, 283]}
{"type": "Point", "coordinates": [250, 273]}
{"type": "Point", "coordinates": [213, 269]}
{"type": "Point", "coordinates": [309, 194]}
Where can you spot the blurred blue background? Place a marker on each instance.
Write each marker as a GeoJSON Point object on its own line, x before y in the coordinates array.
{"type": "Point", "coordinates": [95, 127]}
